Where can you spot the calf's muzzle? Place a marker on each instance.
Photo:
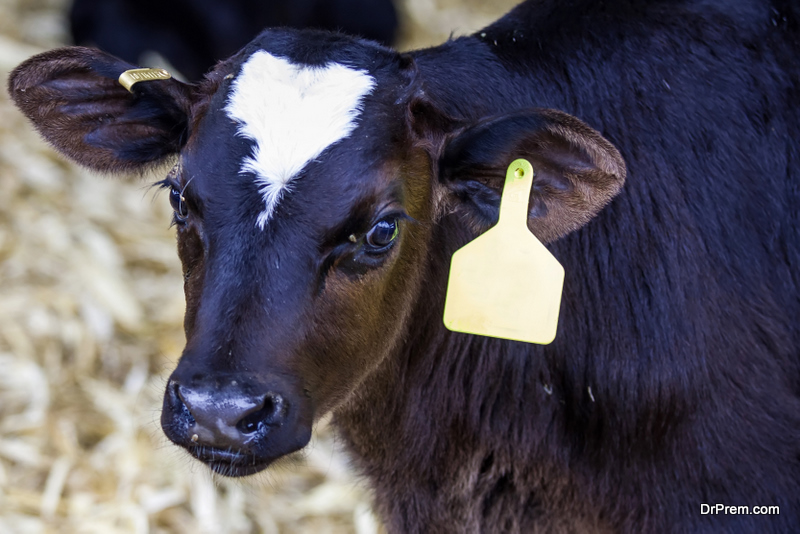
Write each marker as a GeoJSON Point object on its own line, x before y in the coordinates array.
{"type": "Point", "coordinates": [236, 423]}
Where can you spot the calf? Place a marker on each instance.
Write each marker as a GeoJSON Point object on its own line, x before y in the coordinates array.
{"type": "Point", "coordinates": [323, 183]}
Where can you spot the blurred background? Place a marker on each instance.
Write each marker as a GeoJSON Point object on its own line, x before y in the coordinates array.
{"type": "Point", "coordinates": [91, 308]}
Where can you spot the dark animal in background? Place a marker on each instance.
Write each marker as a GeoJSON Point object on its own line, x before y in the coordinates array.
{"type": "Point", "coordinates": [194, 34]}
{"type": "Point", "coordinates": [323, 183]}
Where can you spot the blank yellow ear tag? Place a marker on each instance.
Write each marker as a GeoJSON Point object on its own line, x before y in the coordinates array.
{"type": "Point", "coordinates": [506, 283]}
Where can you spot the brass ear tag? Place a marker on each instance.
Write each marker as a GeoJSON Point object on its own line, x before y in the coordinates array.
{"type": "Point", "coordinates": [130, 77]}
{"type": "Point", "coordinates": [505, 283]}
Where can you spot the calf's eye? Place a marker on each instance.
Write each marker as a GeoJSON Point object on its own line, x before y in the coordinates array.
{"type": "Point", "coordinates": [381, 236]}
{"type": "Point", "coordinates": [178, 204]}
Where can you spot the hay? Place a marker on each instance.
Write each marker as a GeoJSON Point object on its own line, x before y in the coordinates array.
{"type": "Point", "coordinates": [90, 327]}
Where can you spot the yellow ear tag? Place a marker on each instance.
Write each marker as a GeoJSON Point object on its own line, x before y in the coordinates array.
{"type": "Point", "coordinates": [505, 283]}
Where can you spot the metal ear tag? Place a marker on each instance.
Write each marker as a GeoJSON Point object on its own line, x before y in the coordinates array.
{"type": "Point", "coordinates": [130, 77]}
{"type": "Point", "coordinates": [505, 283]}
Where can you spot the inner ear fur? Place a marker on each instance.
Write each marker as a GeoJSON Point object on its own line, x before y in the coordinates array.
{"type": "Point", "coordinates": [74, 100]}
{"type": "Point", "coordinates": [577, 171]}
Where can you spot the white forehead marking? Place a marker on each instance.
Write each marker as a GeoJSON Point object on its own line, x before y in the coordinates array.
{"type": "Point", "coordinates": [293, 113]}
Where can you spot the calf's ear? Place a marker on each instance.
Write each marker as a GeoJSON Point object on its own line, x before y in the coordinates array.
{"type": "Point", "coordinates": [577, 171]}
{"type": "Point", "coordinates": [74, 100]}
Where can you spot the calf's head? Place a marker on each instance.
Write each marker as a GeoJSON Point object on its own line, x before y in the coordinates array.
{"type": "Point", "coordinates": [312, 171]}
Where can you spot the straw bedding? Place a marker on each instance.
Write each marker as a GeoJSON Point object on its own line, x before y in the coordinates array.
{"type": "Point", "coordinates": [91, 306]}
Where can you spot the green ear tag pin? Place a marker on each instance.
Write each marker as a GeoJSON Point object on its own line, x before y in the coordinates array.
{"type": "Point", "coordinates": [505, 283]}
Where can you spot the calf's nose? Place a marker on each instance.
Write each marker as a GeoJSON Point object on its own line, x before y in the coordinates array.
{"type": "Point", "coordinates": [229, 418]}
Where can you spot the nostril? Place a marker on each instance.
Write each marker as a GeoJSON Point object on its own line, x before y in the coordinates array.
{"type": "Point", "coordinates": [268, 413]}
{"type": "Point", "coordinates": [178, 402]}
{"type": "Point", "coordinates": [250, 424]}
